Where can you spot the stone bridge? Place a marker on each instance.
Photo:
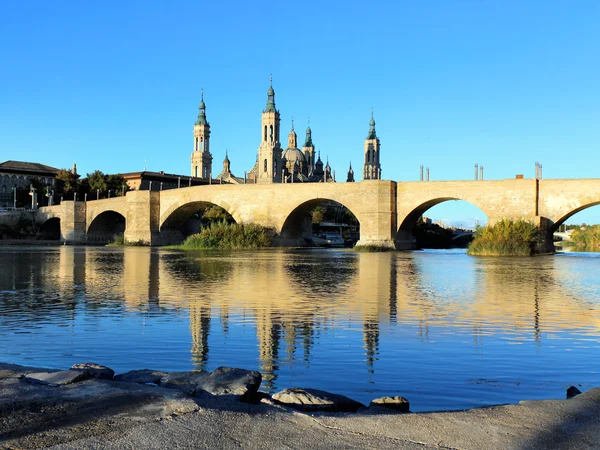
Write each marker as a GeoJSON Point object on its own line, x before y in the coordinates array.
{"type": "Point", "coordinates": [387, 210]}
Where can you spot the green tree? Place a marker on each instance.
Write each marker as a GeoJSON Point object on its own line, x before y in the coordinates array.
{"type": "Point", "coordinates": [97, 181]}
{"type": "Point", "coordinates": [318, 215]}
{"type": "Point", "coordinates": [117, 185]}
{"type": "Point", "coordinates": [66, 183]}
{"type": "Point", "coordinates": [215, 213]}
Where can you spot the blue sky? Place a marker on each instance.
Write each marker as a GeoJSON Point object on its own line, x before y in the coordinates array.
{"type": "Point", "coordinates": [453, 82]}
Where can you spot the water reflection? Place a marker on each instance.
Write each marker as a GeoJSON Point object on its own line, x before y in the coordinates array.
{"type": "Point", "coordinates": [355, 323]}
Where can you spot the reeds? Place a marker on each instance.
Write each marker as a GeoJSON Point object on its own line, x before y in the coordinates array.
{"type": "Point", "coordinates": [505, 238]}
{"type": "Point", "coordinates": [229, 236]}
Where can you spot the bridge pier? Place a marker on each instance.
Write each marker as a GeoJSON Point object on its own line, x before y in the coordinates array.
{"type": "Point", "coordinates": [143, 215]}
{"type": "Point", "coordinates": [545, 241]}
{"type": "Point", "coordinates": [73, 222]}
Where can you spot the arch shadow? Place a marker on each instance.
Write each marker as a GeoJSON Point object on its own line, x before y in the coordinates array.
{"type": "Point", "coordinates": [182, 221]}
{"type": "Point", "coordinates": [50, 229]}
{"type": "Point", "coordinates": [297, 228]}
{"type": "Point", "coordinates": [404, 236]}
{"type": "Point", "coordinates": [105, 226]}
{"type": "Point", "coordinates": [566, 217]}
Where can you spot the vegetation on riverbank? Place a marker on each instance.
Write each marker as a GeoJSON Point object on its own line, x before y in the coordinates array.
{"type": "Point", "coordinates": [229, 236]}
{"type": "Point", "coordinates": [118, 240]}
{"type": "Point", "coordinates": [372, 248]}
{"type": "Point", "coordinates": [586, 238]}
{"type": "Point", "coordinates": [505, 238]}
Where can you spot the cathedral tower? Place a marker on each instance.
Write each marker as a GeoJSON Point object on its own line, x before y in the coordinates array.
{"type": "Point", "coordinates": [372, 168]}
{"type": "Point", "coordinates": [269, 152]}
{"type": "Point", "coordinates": [201, 156]}
{"type": "Point", "coordinates": [309, 150]}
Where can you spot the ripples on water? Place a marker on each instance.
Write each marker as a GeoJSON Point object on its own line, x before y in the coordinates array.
{"type": "Point", "coordinates": [443, 329]}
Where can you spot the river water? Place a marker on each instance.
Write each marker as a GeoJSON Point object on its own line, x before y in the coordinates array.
{"type": "Point", "coordinates": [443, 329]}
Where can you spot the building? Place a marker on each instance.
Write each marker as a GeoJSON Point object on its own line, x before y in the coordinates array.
{"type": "Point", "coordinates": [372, 167]}
{"type": "Point", "coordinates": [201, 156]}
{"type": "Point", "coordinates": [21, 175]}
{"type": "Point", "coordinates": [158, 181]}
{"type": "Point", "coordinates": [273, 164]}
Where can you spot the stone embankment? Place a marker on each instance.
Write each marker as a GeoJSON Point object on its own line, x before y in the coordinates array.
{"type": "Point", "coordinates": [88, 406]}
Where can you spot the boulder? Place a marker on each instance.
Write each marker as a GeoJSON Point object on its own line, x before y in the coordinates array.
{"type": "Point", "coordinates": [186, 382]}
{"type": "Point", "coordinates": [316, 400]}
{"type": "Point", "coordinates": [396, 403]}
{"type": "Point", "coordinates": [59, 378]}
{"type": "Point", "coordinates": [144, 376]}
{"type": "Point", "coordinates": [95, 370]}
{"type": "Point", "coordinates": [572, 392]}
{"type": "Point", "coordinates": [231, 381]}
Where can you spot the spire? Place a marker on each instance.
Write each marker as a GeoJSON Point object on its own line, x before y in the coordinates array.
{"type": "Point", "coordinates": [292, 137]}
{"type": "Point", "coordinates": [202, 111]}
{"type": "Point", "coordinates": [270, 98]}
{"type": "Point", "coordinates": [308, 141]}
{"type": "Point", "coordinates": [372, 134]}
{"type": "Point", "coordinates": [226, 163]}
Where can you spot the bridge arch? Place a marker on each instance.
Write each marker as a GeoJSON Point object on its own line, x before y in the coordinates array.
{"type": "Point", "coordinates": [173, 221]}
{"type": "Point", "coordinates": [297, 225]}
{"type": "Point", "coordinates": [408, 221]}
{"type": "Point", "coordinates": [566, 216]}
{"type": "Point", "coordinates": [104, 226]}
{"type": "Point", "coordinates": [50, 229]}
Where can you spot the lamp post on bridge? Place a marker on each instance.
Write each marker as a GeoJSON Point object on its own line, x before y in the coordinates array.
{"type": "Point", "coordinates": [109, 193]}
{"type": "Point", "coordinates": [97, 194]}
{"type": "Point", "coordinates": [15, 197]}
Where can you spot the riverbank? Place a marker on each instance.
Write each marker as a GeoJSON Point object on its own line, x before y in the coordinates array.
{"type": "Point", "coordinates": [103, 413]}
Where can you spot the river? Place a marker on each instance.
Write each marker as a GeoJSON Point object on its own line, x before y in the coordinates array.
{"type": "Point", "coordinates": [441, 328]}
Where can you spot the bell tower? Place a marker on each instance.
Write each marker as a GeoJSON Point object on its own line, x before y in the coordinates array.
{"type": "Point", "coordinates": [269, 152]}
{"type": "Point", "coordinates": [201, 156]}
{"type": "Point", "coordinates": [372, 168]}
{"type": "Point", "coordinates": [309, 149]}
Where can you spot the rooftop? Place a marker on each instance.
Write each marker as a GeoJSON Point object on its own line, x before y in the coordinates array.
{"type": "Point", "coordinates": [21, 166]}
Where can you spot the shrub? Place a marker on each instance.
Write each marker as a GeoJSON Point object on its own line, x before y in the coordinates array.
{"type": "Point", "coordinates": [117, 239]}
{"type": "Point", "coordinates": [372, 248]}
{"type": "Point", "coordinates": [505, 238]}
{"type": "Point", "coordinates": [229, 236]}
{"type": "Point", "coordinates": [587, 238]}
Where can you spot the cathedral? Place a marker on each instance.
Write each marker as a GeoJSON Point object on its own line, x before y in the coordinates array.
{"type": "Point", "coordinates": [274, 164]}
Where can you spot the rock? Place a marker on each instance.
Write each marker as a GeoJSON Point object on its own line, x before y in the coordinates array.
{"type": "Point", "coordinates": [143, 376]}
{"type": "Point", "coordinates": [396, 403]}
{"type": "Point", "coordinates": [186, 382]}
{"type": "Point", "coordinates": [572, 392]}
{"type": "Point", "coordinates": [59, 378]}
{"type": "Point", "coordinates": [315, 400]}
{"type": "Point", "coordinates": [232, 381]}
{"type": "Point", "coordinates": [95, 370]}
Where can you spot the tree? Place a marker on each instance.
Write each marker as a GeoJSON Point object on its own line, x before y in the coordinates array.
{"type": "Point", "coordinates": [97, 181]}
{"type": "Point", "coordinates": [215, 213]}
{"type": "Point", "coordinates": [318, 215]}
{"type": "Point", "coordinates": [117, 185]}
{"type": "Point", "coordinates": [66, 183]}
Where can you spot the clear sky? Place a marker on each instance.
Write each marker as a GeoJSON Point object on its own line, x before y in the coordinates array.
{"type": "Point", "coordinates": [501, 83]}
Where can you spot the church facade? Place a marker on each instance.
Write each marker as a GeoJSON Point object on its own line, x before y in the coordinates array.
{"type": "Point", "coordinates": [273, 163]}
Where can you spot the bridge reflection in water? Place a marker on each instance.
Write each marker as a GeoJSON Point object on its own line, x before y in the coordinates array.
{"type": "Point", "coordinates": [303, 308]}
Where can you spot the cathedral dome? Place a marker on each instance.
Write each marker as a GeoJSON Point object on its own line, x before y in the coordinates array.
{"type": "Point", "coordinates": [292, 155]}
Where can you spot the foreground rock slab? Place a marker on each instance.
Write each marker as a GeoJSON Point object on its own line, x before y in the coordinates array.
{"type": "Point", "coordinates": [59, 378]}
{"type": "Point", "coordinates": [316, 400]}
{"type": "Point", "coordinates": [397, 403]}
{"type": "Point", "coordinates": [103, 414]}
{"type": "Point", "coordinates": [95, 370]}
{"type": "Point", "coordinates": [232, 381]}
{"type": "Point", "coordinates": [39, 415]}
{"type": "Point", "coordinates": [143, 376]}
